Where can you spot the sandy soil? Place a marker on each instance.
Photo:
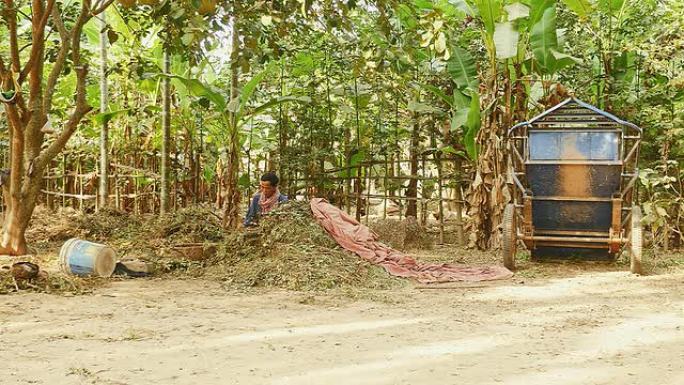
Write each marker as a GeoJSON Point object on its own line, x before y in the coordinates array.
{"type": "Point", "coordinates": [597, 327]}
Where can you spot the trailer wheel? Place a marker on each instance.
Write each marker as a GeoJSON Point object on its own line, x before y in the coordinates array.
{"type": "Point", "coordinates": [635, 242]}
{"type": "Point", "coordinates": [509, 236]}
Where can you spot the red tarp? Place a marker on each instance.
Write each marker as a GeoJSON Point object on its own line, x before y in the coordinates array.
{"type": "Point", "coordinates": [357, 238]}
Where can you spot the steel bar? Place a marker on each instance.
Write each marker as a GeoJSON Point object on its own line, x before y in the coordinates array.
{"type": "Point", "coordinates": [543, 238]}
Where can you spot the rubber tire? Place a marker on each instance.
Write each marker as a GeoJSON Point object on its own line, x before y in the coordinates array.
{"type": "Point", "coordinates": [635, 242]}
{"type": "Point", "coordinates": [509, 237]}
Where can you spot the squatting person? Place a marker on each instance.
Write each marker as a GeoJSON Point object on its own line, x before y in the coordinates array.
{"type": "Point", "coordinates": [265, 200]}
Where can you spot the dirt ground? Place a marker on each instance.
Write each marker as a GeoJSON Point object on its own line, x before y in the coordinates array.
{"type": "Point", "coordinates": [566, 324]}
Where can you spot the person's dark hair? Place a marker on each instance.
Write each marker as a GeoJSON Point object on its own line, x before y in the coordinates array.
{"type": "Point", "coordinates": [271, 178]}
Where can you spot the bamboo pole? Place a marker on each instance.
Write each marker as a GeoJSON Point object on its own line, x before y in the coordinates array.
{"type": "Point", "coordinates": [48, 199]}
{"type": "Point", "coordinates": [104, 106]}
{"type": "Point", "coordinates": [80, 183]}
{"type": "Point", "coordinates": [385, 189]}
{"type": "Point", "coordinates": [64, 178]}
{"type": "Point", "coordinates": [136, 199]}
{"type": "Point", "coordinates": [460, 236]}
{"type": "Point", "coordinates": [117, 192]}
{"type": "Point", "coordinates": [166, 131]}
{"type": "Point", "coordinates": [423, 202]}
{"type": "Point", "coordinates": [438, 161]}
{"type": "Point", "coordinates": [369, 171]}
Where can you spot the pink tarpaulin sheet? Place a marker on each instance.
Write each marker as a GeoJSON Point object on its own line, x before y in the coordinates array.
{"type": "Point", "coordinates": [359, 239]}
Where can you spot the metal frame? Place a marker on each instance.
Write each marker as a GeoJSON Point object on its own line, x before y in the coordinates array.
{"type": "Point", "coordinates": [568, 115]}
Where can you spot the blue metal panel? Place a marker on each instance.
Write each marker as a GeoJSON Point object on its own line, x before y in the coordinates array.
{"type": "Point", "coordinates": [574, 180]}
{"type": "Point", "coordinates": [571, 215]}
{"type": "Point", "coordinates": [571, 253]}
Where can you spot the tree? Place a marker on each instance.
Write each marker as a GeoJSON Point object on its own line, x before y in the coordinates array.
{"type": "Point", "coordinates": [509, 32]}
{"type": "Point", "coordinates": [104, 105]}
{"type": "Point", "coordinates": [31, 147]}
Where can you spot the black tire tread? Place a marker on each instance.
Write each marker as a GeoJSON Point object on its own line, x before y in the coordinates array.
{"type": "Point", "coordinates": [509, 237]}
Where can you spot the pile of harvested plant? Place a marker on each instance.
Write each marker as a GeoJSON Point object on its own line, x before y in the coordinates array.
{"type": "Point", "coordinates": [57, 283]}
{"type": "Point", "coordinates": [404, 234]}
{"type": "Point", "coordinates": [290, 250]}
{"type": "Point", "coordinates": [147, 237]}
{"type": "Point", "coordinates": [287, 250]}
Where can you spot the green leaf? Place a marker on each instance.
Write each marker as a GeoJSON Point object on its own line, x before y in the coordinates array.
{"type": "Point", "coordinates": [357, 158]}
{"type": "Point", "coordinates": [537, 9]}
{"type": "Point", "coordinates": [517, 11]}
{"type": "Point", "coordinates": [460, 99]}
{"type": "Point", "coordinates": [304, 64]}
{"type": "Point", "coordinates": [543, 39]}
{"type": "Point", "coordinates": [473, 126]}
{"type": "Point", "coordinates": [423, 4]}
{"type": "Point", "coordinates": [244, 181]}
{"type": "Point", "coordinates": [562, 60]}
{"type": "Point", "coordinates": [105, 117]}
{"type": "Point", "coordinates": [422, 108]}
{"type": "Point", "coordinates": [581, 7]}
{"type": "Point", "coordinates": [624, 66]}
{"type": "Point", "coordinates": [506, 40]}
{"type": "Point", "coordinates": [611, 7]}
{"type": "Point", "coordinates": [459, 118]}
{"type": "Point", "coordinates": [209, 173]}
{"type": "Point", "coordinates": [489, 11]}
{"type": "Point", "coordinates": [407, 16]}
{"type": "Point", "coordinates": [448, 150]}
{"type": "Point", "coordinates": [461, 68]}
{"type": "Point", "coordinates": [199, 89]}
{"type": "Point", "coordinates": [279, 100]}
{"type": "Point", "coordinates": [188, 38]}
{"type": "Point", "coordinates": [439, 93]}
{"type": "Point", "coordinates": [251, 85]}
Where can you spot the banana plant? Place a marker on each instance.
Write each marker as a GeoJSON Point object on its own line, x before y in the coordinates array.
{"type": "Point", "coordinates": [233, 115]}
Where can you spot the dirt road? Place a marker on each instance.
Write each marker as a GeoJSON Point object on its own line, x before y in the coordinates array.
{"type": "Point", "coordinates": [596, 328]}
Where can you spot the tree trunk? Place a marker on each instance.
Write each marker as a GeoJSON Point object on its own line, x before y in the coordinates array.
{"type": "Point", "coordinates": [412, 190]}
{"type": "Point", "coordinates": [166, 133]}
{"type": "Point", "coordinates": [104, 130]}
{"type": "Point", "coordinates": [231, 202]}
{"type": "Point", "coordinates": [16, 223]}
{"type": "Point", "coordinates": [489, 192]}
{"type": "Point", "coordinates": [282, 138]}
{"type": "Point", "coordinates": [30, 154]}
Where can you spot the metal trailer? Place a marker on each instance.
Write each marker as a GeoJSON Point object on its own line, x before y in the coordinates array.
{"type": "Point", "coordinates": [573, 171]}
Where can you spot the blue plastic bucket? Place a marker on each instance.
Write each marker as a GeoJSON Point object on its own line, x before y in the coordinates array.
{"type": "Point", "coordinates": [85, 258]}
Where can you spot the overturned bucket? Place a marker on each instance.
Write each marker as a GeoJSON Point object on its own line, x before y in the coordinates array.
{"type": "Point", "coordinates": [85, 258]}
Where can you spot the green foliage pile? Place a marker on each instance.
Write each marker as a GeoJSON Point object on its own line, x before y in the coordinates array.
{"type": "Point", "coordinates": [48, 228]}
{"type": "Point", "coordinates": [132, 235]}
{"type": "Point", "coordinates": [196, 224]}
{"type": "Point", "coordinates": [290, 250]}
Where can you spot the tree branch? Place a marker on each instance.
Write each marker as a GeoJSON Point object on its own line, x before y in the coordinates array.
{"type": "Point", "coordinates": [37, 37]}
{"type": "Point", "coordinates": [100, 7]}
{"type": "Point", "coordinates": [82, 108]}
{"type": "Point", "coordinates": [77, 30]}
{"type": "Point", "coordinates": [10, 15]}
{"type": "Point", "coordinates": [11, 19]}
{"type": "Point", "coordinates": [61, 57]}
